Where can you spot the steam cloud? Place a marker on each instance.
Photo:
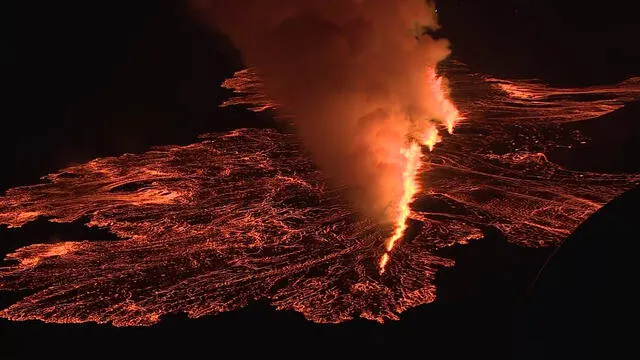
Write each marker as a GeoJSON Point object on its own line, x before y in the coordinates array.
{"type": "Point", "coordinates": [354, 76]}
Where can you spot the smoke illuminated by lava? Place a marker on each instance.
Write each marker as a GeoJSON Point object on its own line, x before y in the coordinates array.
{"type": "Point", "coordinates": [249, 85]}
{"type": "Point", "coordinates": [357, 79]}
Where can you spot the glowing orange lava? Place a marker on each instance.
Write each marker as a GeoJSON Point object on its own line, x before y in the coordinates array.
{"type": "Point", "coordinates": [412, 155]}
{"type": "Point", "coordinates": [448, 112]}
{"type": "Point", "coordinates": [430, 137]}
{"type": "Point", "coordinates": [238, 216]}
{"type": "Point", "coordinates": [449, 115]}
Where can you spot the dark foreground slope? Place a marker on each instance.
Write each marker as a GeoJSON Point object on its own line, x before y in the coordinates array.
{"type": "Point", "coordinates": [577, 307]}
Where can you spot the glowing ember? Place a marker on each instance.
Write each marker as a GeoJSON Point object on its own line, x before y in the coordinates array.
{"type": "Point", "coordinates": [245, 215]}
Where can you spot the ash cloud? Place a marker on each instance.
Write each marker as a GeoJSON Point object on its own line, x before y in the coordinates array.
{"type": "Point", "coordinates": [353, 76]}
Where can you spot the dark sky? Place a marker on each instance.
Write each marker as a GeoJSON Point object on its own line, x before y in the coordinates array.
{"type": "Point", "coordinates": [571, 42]}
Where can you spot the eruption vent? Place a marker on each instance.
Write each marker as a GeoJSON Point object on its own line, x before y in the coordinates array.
{"type": "Point", "coordinates": [358, 79]}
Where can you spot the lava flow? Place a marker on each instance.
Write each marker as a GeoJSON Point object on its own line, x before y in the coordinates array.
{"type": "Point", "coordinates": [245, 215]}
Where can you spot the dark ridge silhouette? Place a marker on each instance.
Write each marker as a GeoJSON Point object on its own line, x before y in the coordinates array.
{"type": "Point", "coordinates": [576, 308]}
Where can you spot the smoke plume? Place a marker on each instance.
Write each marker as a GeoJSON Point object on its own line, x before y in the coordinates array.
{"type": "Point", "coordinates": [357, 78]}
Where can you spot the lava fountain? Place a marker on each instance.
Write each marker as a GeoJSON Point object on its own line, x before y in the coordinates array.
{"type": "Point", "coordinates": [412, 155]}
{"type": "Point", "coordinates": [449, 115]}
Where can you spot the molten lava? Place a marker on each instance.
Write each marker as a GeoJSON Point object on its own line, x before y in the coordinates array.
{"type": "Point", "coordinates": [449, 115]}
{"type": "Point", "coordinates": [412, 156]}
{"type": "Point", "coordinates": [238, 216]}
{"type": "Point", "coordinates": [430, 137]}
